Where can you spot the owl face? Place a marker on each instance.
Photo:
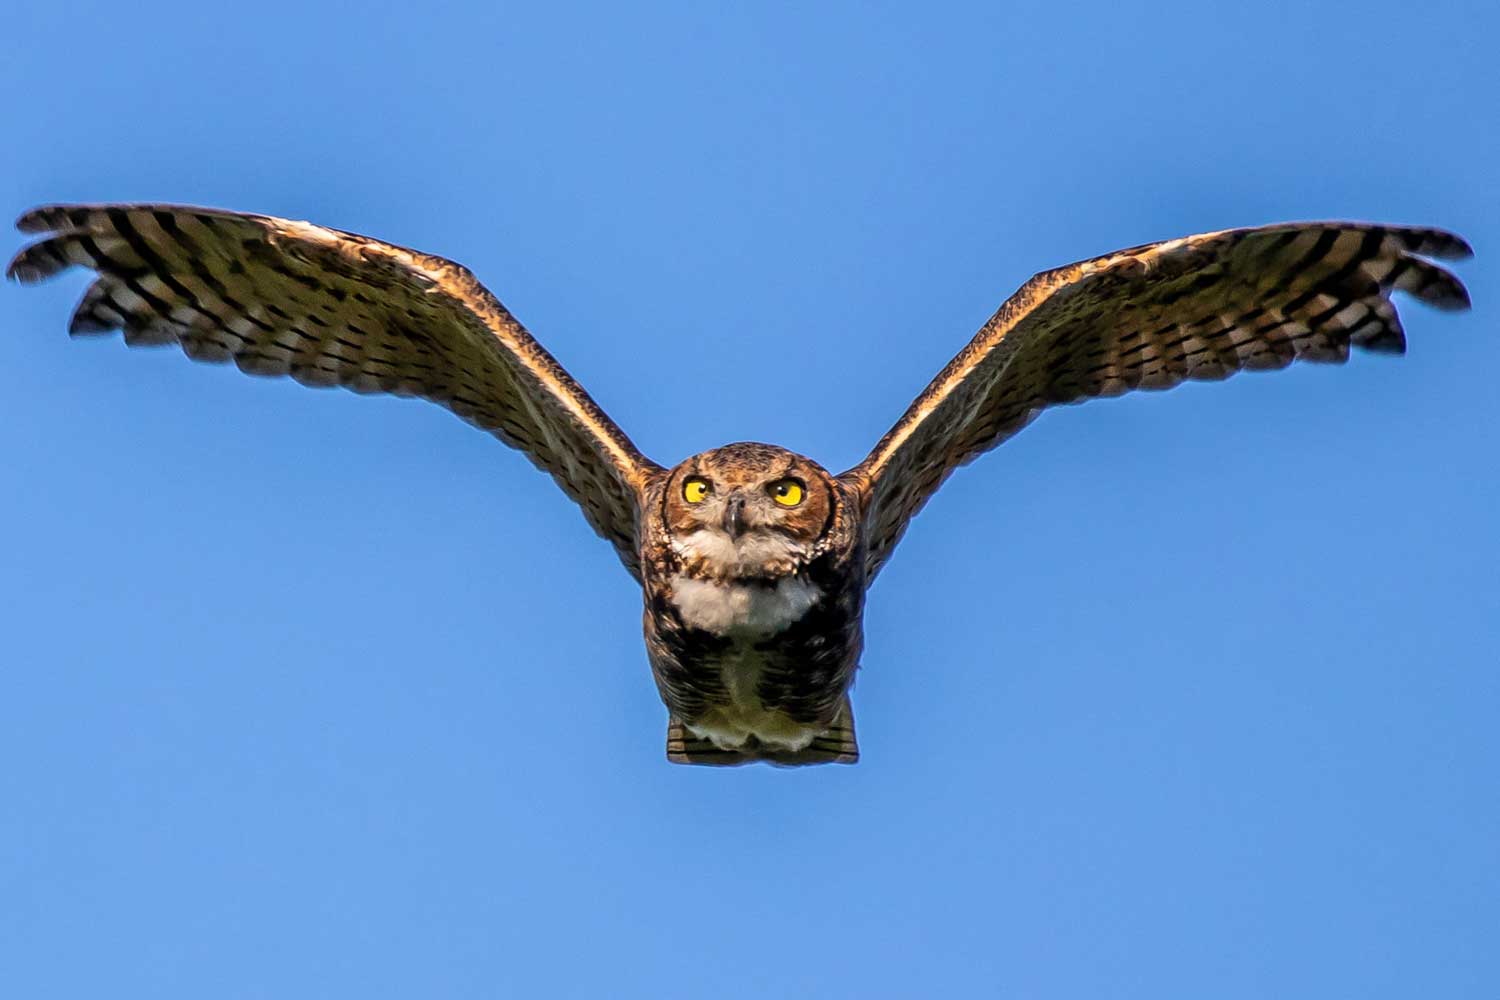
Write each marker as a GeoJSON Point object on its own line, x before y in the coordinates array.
{"type": "Point", "coordinates": [747, 510]}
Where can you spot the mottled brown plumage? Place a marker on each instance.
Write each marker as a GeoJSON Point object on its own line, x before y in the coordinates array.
{"type": "Point", "coordinates": [329, 308]}
{"type": "Point", "coordinates": [753, 560]}
{"type": "Point", "coordinates": [1151, 317]}
{"type": "Point", "coordinates": [753, 607]}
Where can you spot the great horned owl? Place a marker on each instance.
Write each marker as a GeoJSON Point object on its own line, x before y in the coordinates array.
{"type": "Point", "coordinates": [753, 560]}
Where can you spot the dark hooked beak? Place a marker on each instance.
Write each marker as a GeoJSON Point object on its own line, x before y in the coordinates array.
{"type": "Point", "coordinates": [734, 515]}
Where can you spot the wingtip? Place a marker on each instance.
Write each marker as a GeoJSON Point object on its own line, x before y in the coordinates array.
{"type": "Point", "coordinates": [36, 262]}
{"type": "Point", "coordinates": [1391, 340]}
{"type": "Point", "coordinates": [1450, 246]}
{"type": "Point", "coordinates": [1439, 244]}
{"type": "Point", "coordinates": [41, 219]}
{"type": "Point", "coordinates": [19, 269]}
{"type": "Point", "coordinates": [1438, 287]}
{"type": "Point", "coordinates": [1457, 299]}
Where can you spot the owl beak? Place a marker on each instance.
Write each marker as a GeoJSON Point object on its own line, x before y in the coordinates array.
{"type": "Point", "coordinates": [734, 515]}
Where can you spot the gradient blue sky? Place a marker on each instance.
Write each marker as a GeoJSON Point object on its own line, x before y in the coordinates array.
{"type": "Point", "coordinates": [1179, 695]}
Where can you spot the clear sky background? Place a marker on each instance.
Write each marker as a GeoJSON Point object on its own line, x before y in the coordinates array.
{"type": "Point", "coordinates": [1180, 695]}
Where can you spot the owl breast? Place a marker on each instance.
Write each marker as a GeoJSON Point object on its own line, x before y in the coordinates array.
{"type": "Point", "coordinates": [744, 660]}
{"type": "Point", "coordinates": [733, 607]}
{"type": "Point", "coordinates": [752, 606]}
{"type": "Point", "coordinates": [743, 615]}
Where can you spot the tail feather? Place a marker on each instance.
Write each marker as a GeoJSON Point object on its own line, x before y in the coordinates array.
{"type": "Point", "coordinates": [836, 745]}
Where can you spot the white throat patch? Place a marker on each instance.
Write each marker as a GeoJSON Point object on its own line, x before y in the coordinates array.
{"type": "Point", "coordinates": [747, 608]}
{"type": "Point", "coordinates": [750, 555]}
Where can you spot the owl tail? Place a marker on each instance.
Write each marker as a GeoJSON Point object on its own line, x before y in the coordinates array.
{"type": "Point", "coordinates": [836, 745]}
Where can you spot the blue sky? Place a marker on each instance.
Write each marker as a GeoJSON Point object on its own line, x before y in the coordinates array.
{"type": "Point", "coordinates": [1178, 695]}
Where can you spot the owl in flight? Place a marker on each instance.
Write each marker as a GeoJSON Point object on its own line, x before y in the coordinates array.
{"type": "Point", "coordinates": [753, 560]}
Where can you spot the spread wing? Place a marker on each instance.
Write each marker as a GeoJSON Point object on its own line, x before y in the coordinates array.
{"type": "Point", "coordinates": [1151, 317]}
{"type": "Point", "coordinates": [329, 308]}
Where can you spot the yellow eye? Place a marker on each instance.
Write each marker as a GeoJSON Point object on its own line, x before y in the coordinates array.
{"type": "Point", "coordinates": [787, 492]}
{"type": "Point", "coordinates": [695, 489]}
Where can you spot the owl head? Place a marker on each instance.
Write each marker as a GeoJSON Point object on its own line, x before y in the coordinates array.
{"type": "Point", "coordinates": [748, 510]}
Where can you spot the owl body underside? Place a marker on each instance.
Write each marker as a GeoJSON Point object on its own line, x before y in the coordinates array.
{"type": "Point", "coordinates": [752, 619]}
{"type": "Point", "coordinates": [756, 668]}
{"type": "Point", "coordinates": [753, 560]}
{"type": "Point", "coordinates": [749, 699]}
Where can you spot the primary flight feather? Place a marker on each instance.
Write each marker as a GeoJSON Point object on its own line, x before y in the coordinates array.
{"type": "Point", "coordinates": [753, 560]}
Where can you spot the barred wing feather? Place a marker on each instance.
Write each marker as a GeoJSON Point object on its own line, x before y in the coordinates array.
{"type": "Point", "coordinates": [330, 308]}
{"type": "Point", "coordinates": [1152, 317]}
